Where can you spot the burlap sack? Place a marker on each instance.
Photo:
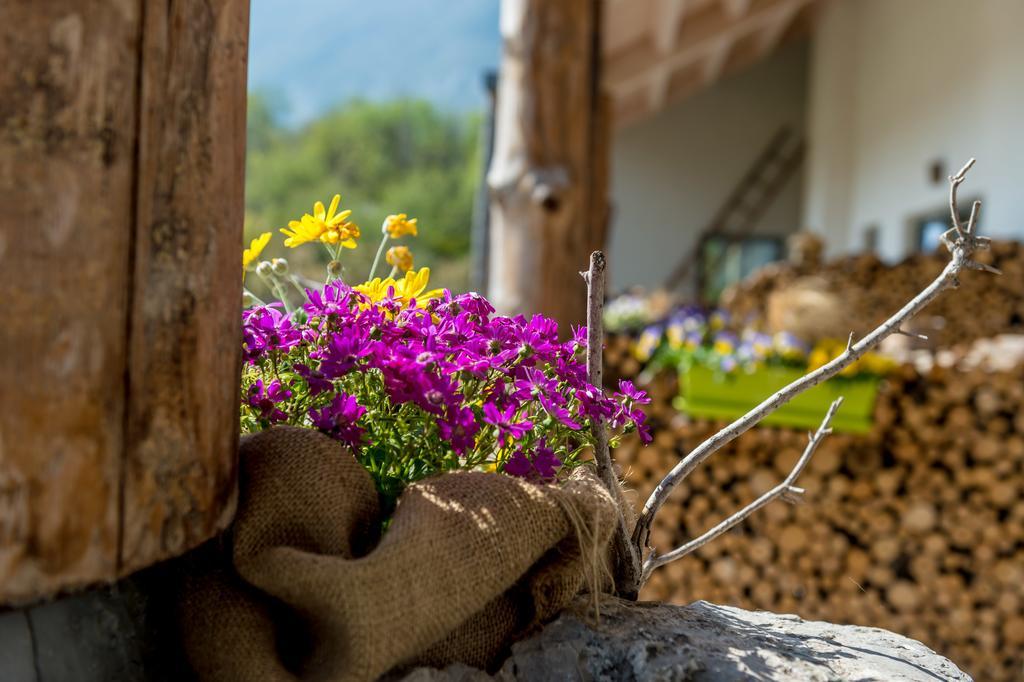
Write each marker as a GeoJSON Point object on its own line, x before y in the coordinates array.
{"type": "Point", "coordinates": [469, 561]}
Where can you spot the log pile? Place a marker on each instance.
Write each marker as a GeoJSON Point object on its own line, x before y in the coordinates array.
{"type": "Point", "coordinates": [873, 290]}
{"type": "Point", "coordinates": [917, 527]}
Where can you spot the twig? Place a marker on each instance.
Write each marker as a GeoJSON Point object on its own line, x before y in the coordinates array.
{"type": "Point", "coordinates": [626, 559]}
{"type": "Point", "coordinates": [786, 489]}
{"type": "Point", "coordinates": [594, 277]}
{"type": "Point", "coordinates": [961, 245]}
{"type": "Point", "coordinates": [954, 185]}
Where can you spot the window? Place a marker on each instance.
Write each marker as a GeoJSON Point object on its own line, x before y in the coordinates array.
{"type": "Point", "coordinates": [726, 260]}
{"type": "Point", "coordinates": [926, 229]}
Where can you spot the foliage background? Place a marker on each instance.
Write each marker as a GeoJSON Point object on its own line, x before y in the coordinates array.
{"type": "Point", "coordinates": [399, 156]}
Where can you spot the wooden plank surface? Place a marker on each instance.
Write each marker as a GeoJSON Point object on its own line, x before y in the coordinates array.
{"type": "Point", "coordinates": [546, 215]}
{"type": "Point", "coordinates": [121, 168]}
{"type": "Point", "coordinates": [185, 349]}
{"type": "Point", "coordinates": [67, 148]}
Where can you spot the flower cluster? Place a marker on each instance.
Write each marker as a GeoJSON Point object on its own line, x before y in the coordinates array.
{"type": "Point", "coordinates": [418, 382]}
{"type": "Point", "coordinates": [689, 336]}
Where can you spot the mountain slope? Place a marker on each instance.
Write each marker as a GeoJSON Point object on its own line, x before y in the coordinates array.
{"type": "Point", "coordinates": [315, 53]}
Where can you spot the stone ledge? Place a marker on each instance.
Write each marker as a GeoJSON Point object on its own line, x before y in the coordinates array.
{"type": "Point", "coordinates": [655, 642]}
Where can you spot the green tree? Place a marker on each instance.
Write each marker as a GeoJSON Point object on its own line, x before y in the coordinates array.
{"type": "Point", "coordinates": [403, 156]}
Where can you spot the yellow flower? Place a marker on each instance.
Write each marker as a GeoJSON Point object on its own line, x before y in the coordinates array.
{"type": "Point", "coordinates": [674, 335]}
{"type": "Point", "coordinates": [399, 225]}
{"type": "Point", "coordinates": [404, 290]}
{"type": "Point", "coordinates": [302, 231]}
{"type": "Point", "coordinates": [818, 357]}
{"type": "Point", "coordinates": [324, 225]}
{"type": "Point", "coordinates": [414, 284]}
{"type": "Point", "coordinates": [375, 289]}
{"type": "Point", "coordinates": [400, 257]}
{"type": "Point", "coordinates": [256, 247]}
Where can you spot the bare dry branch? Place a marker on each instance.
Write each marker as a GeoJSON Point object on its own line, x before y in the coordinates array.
{"type": "Point", "coordinates": [627, 560]}
{"type": "Point", "coordinates": [912, 335]}
{"type": "Point", "coordinates": [785, 490]}
{"type": "Point", "coordinates": [961, 246]}
{"type": "Point", "coordinates": [973, 220]}
{"type": "Point", "coordinates": [954, 185]}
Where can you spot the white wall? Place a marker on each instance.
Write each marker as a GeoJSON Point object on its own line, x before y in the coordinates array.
{"type": "Point", "coordinates": [895, 86]}
{"type": "Point", "coordinates": [671, 172]}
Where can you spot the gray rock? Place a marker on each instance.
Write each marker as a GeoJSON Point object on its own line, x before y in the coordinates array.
{"type": "Point", "coordinates": [648, 642]}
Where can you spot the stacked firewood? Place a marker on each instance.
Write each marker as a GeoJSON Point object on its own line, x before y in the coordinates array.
{"type": "Point", "coordinates": [917, 527]}
{"type": "Point", "coordinates": [872, 290]}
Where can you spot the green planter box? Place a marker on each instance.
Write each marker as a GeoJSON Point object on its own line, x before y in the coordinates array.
{"type": "Point", "coordinates": [706, 394]}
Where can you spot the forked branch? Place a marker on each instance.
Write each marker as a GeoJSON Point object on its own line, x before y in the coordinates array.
{"type": "Point", "coordinates": [961, 243]}
{"type": "Point", "coordinates": [787, 490]}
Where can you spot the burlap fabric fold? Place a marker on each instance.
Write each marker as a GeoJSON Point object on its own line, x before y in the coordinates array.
{"type": "Point", "coordinates": [307, 592]}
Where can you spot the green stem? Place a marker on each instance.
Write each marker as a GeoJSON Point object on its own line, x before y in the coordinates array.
{"type": "Point", "coordinates": [281, 293]}
{"type": "Point", "coordinates": [376, 259]}
{"type": "Point", "coordinates": [259, 301]}
{"type": "Point", "coordinates": [295, 282]}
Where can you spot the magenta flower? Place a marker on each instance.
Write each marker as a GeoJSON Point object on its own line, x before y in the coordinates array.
{"type": "Point", "coordinates": [459, 428]}
{"type": "Point", "coordinates": [543, 466]}
{"type": "Point", "coordinates": [266, 329]}
{"type": "Point", "coordinates": [627, 389]}
{"type": "Point", "coordinates": [334, 300]}
{"type": "Point", "coordinates": [338, 419]}
{"type": "Point", "coordinates": [503, 420]}
{"type": "Point", "coordinates": [315, 379]}
{"type": "Point", "coordinates": [265, 400]}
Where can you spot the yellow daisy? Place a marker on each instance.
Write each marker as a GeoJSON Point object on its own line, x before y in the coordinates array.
{"type": "Point", "coordinates": [325, 225]}
{"type": "Point", "coordinates": [256, 247]}
{"type": "Point", "coordinates": [399, 225]}
{"type": "Point", "coordinates": [400, 257]}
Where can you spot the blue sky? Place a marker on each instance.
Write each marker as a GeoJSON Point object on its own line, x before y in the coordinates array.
{"type": "Point", "coordinates": [312, 54]}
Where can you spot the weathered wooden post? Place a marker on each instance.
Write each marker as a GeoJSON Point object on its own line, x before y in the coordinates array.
{"type": "Point", "coordinates": [122, 142]}
{"type": "Point", "coordinates": [548, 173]}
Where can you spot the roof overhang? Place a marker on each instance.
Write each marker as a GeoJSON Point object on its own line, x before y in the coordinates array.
{"type": "Point", "coordinates": [660, 51]}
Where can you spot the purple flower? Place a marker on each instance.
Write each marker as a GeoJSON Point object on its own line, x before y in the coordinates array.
{"type": "Point", "coordinates": [628, 412]}
{"type": "Point", "coordinates": [533, 383]}
{"type": "Point", "coordinates": [338, 419]}
{"type": "Point", "coordinates": [542, 466]}
{"type": "Point", "coordinates": [459, 428]}
{"type": "Point", "coordinates": [316, 380]}
{"type": "Point", "coordinates": [503, 420]}
{"type": "Point", "coordinates": [637, 396]}
{"type": "Point", "coordinates": [266, 329]}
{"type": "Point", "coordinates": [334, 300]}
{"type": "Point", "coordinates": [554, 404]}
{"type": "Point", "coordinates": [643, 431]}
{"type": "Point", "coordinates": [265, 399]}
{"type": "Point", "coordinates": [342, 354]}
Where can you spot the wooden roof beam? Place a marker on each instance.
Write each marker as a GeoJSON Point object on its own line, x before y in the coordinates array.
{"type": "Point", "coordinates": [627, 77]}
{"type": "Point", "coordinates": [665, 20]}
{"type": "Point", "coordinates": [736, 8]}
{"type": "Point", "coordinates": [702, 30]}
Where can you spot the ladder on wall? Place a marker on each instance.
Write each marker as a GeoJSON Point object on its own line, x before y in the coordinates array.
{"type": "Point", "coordinates": [738, 215]}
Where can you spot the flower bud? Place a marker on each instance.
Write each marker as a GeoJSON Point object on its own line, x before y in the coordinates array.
{"type": "Point", "coordinates": [334, 268]}
{"type": "Point", "coordinates": [264, 269]}
{"type": "Point", "coordinates": [280, 266]}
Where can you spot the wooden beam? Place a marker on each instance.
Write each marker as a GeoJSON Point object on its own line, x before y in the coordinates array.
{"type": "Point", "coordinates": [736, 8]}
{"type": "Point", "coordinates": [714, 62]}
{"type": "Point", "coordinates": [121, 169]}
{"type": "Point", "coordinates": [549, 202]}
{"type": "Point", "coordinates": [665, 23]}
{"type": "Point", "coordinates": [699, 33]}
{"type": "Point", "coordinates": [185, 342]}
